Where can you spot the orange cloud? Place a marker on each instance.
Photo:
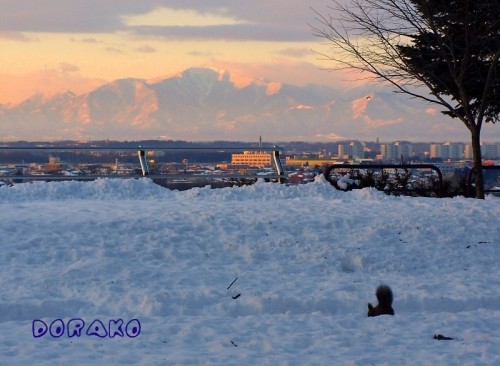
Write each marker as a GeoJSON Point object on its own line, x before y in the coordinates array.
{"type": "Point", "coordinates": [431, 111]}
{"type": "Point", "coordinates": [15, 36]}
{"type": "Point", "coordinates": [23, 86]}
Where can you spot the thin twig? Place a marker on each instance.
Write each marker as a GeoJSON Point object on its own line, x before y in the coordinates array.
{"type": "Point", "coordinates": [228, 287]}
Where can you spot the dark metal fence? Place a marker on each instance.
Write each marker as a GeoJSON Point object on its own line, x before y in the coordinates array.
{"type": "Point", "coordinates": [390, 178]}
{"type": "Point", "coordinates": [471, 175]}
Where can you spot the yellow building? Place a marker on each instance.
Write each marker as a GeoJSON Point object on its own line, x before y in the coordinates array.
{"type": "Point", "coordinates": [54, 165]}
{"type": "Point", "coordinates": [310, 161]}
{"type": "Point", "coordinates": [258, 159]}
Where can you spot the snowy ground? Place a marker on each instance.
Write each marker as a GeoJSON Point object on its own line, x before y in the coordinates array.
{"type": "Point", "coordinates": [304, 260]}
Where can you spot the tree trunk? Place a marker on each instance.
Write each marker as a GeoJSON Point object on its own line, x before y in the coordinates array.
{"type": "Point", "coordinates": [478, 163]}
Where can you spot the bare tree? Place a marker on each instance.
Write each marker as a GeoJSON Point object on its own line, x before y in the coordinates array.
{"type": "Point", "coordinates": [445, 52]}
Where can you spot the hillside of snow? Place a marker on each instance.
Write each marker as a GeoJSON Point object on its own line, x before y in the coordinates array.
{"type": "Point", "coordinates": [266, 274]}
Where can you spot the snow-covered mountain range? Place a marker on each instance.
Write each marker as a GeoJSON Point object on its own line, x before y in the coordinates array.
{"type": "Point", "coordinates": [209, 104]}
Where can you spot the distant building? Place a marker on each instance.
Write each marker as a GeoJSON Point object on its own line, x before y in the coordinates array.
{"type": "Point", "coordinates": [455, 150]}
{"type": "Point", "coordinates": [448, 150]}
{"type": "Point", "coordinates": [389, 152]}
{"type": "Point", "coordinates": [354, 150]}
{"type": "Point", "coordinates": [54, 165]}
{"type": "Point", "coordinates": [489, 151]}
{"type": "Point", "coordinates": [396, 151]}
{"type": "Point", "coordinates": [468, 152]}
{"type": "Point", "coordinates": [302, 161]}
{"type": "Point", "coordinates": [343, 151]}
{"type": "Point", "coordinates": [357, 150]}
{"type": "Point", "coordinates": [435, 151]}
{"type": "Point", "coordinates": [258, 159]}
{"type": "Point", "coordinates": [404, 150]}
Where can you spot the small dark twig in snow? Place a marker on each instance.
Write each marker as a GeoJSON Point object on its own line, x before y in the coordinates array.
{"type": "Point", "coordinates": [441, 337]}
{"type": "Point", "coordinates": [228, 287]}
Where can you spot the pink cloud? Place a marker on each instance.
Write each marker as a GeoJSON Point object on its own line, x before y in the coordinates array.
{"type": "Point", "coordinates": [22, 86]}
{"type": "Point", "coordinates": [431, 111]}
{"type": "Point", "coordinates": [15, 36]}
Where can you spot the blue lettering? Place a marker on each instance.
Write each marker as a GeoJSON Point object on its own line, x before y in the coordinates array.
{"type": "Point", "coordinates": [133, 328]}
{"type": "Point", "coordinates": [97, 329]}
{"type": "Point", "coordinates": [75, 327]}
{"type": "Point", "coordinates": [57, 328]}
{"type": "Point", "coordinates": [115, 328]}
{"type": "Point", "coordinates": [39, 328]}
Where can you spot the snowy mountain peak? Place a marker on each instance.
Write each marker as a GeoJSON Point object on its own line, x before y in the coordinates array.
{"type": "Point", "coordinates": [239, 81]}
{"type": "Point", "coordinates": [213, 104]}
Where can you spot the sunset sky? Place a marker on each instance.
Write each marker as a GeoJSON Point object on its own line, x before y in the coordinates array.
{"type": "Point", "coordinates": [53, 45]}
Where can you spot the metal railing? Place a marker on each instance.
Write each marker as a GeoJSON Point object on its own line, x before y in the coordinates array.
{"type": "Point", "coordinates": [472, 173]}
{"type": "Point", "coordinates": [332, 171]}
{"type": "Point", "coordinates": [142, 152]}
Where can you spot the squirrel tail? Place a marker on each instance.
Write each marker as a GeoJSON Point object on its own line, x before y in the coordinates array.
{"type": "Point", "coordinates": [384, 295]}
{"type": "Point", "coordinates": [384, 306]}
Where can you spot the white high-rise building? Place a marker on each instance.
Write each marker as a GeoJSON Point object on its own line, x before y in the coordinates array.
{"type": "Point", "coordinates": [397, 151]}
{"type": "Point", "coordinates": [404, 150]}
{"type": "Point", "coordinates": [489, 151]}
{"type": "Point", "coordinates": [455, 150]}
{"type": "Point", "coordinates": [389, 152]}
{"type": "Point", "coordinates": [448, 150]}
{"type": "Point", "coordinates": [355, 150]}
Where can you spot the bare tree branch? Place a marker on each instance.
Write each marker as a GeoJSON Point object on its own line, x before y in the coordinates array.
{"type": "Point", "coordinates": [384, 38]}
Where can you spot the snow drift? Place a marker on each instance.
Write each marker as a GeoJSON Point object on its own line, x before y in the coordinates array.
{"type": "Point", "coordinates": [263, 274]}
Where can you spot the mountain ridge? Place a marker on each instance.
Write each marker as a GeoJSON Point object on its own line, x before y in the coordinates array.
{"type": "Point", "coordinates": [211, 104]}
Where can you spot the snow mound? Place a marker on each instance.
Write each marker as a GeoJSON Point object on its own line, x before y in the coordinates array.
{"type": "Point", "coordinates": [261, 274]}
